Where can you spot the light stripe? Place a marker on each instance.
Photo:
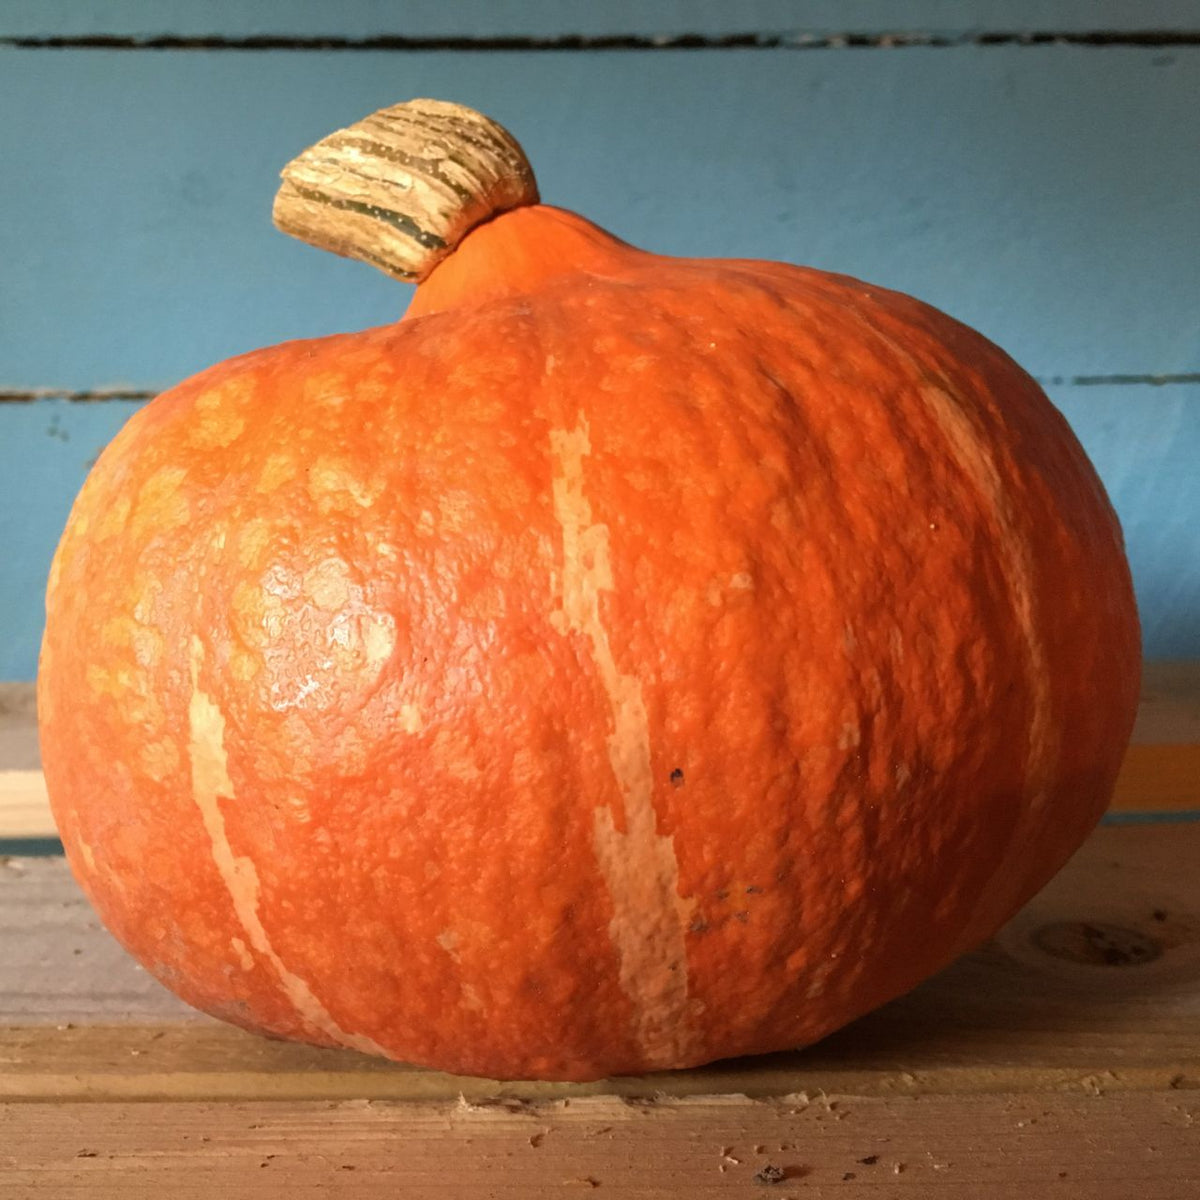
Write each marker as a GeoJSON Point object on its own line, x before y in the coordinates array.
{"type": "Point", "coordinates": [1016, 564]}
{"type": "Point", "coordinates": [1015, 559]}
{"type": "Point", "coordinates": [211, 782]}
{"type": "Point", "coordinates": [638, 864]}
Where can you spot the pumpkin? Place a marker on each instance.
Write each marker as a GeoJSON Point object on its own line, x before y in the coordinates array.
{"type": "Point", "coordinates": [619, 663]}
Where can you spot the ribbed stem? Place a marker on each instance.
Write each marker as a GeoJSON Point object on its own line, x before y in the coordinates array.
{"type": "Point", "coordinates": [400, 188]}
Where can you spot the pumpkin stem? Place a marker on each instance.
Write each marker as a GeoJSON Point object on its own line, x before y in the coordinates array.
{"type": "Point", "coordinates": [400, 188]}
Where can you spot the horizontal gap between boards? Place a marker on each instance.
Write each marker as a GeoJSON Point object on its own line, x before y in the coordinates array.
{"type": "Point", "coordinates": [1182, 817]}
{"type": "Point", "coordinates": [35, 847]}
{"type": "Point", "coordinates": [28, 397]}
{"type": "Point", "coordinates": [1149, 38]}
{"type": "Point", "coordinates": [52, 847]}
{"type": "Point", "coordinates": [102, 394]}
{"type": "Point", "coordinates": [1117, 380]}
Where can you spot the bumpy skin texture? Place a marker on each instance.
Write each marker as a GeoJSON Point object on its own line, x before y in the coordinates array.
{"type": "Point", "coordinates": [619, 663]}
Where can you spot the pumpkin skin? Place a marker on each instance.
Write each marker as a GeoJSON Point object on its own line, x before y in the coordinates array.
{"type": "Point", "coordinates": [619, 663]}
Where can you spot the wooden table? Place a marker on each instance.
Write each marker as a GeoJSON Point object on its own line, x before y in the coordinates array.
{"type": "Point", "coordinates": [1062, 1060]}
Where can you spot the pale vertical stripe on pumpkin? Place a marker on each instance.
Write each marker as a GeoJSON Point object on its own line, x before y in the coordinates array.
{"type": "Point", "coordinates": [1015, 557]}
{"type": "Point", "coordinates": [211, 782]}
{"type": "Point", "coordinates": [638, 864]}
{"type": "Point", "coordinates": [976, 460]}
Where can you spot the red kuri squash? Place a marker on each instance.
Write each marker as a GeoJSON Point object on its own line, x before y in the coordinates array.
{"type": "Point", "coordinates": [621, 662]}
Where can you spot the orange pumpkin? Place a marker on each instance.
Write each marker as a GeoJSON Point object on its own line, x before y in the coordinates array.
{"type": "Point", "coordinates": [621, 662]}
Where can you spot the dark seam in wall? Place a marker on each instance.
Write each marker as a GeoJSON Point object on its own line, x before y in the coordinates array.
{"type": "Point", "coordinates": [1151, 38]}
{"type": "Point", "coordinates": [29, 397]}
{"type": "Point", "coordinates": [1117, 380]}
{"type": "Point", "coordinates": [34, 847]}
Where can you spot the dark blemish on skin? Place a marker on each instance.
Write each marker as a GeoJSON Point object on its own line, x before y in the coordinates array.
{"type": "Point", "coordinates": [677, 777]}
{"type": "Point", "coordinates": [1159, 914]}
{"type": "Point", "coordinates": [753, 891]}
{"type": "Point", "coordinates": [870, 1160]}
{"type": "Point", "coordinates": [699, 925]}
{"type": "Point", "coordinates": [723, 894]}
{"type": "Point", "coordinates": [742, 916]}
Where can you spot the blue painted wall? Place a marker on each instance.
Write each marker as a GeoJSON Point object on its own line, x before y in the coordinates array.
{"type": "Point", "coordinates": [1045, 193]}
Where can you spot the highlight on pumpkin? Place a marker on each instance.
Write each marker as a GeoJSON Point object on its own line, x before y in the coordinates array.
{"type": "Point", "coordinates": [630, 663]}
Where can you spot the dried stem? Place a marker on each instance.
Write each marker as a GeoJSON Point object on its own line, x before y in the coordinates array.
{"type": "Point", "coordinates": [400, 188]}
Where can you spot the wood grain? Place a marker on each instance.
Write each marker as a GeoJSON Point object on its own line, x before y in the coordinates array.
{"type": "Point", "coordinates": [965, 1148]}
{"type": "Point", "coordinates": [1094, 987]}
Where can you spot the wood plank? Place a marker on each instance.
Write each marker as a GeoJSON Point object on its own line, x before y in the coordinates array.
{"type": "Point", "coordinates": [1094, 987]}
{"type": "Point", "coordinates": [1161, 771]}
{"type": "Point", "coordinates": [548, 18]}
{"type": "Point", "coordinates": [1169, 711]}
{"type": "Point", "coordinates": [975, 1148]}
{"type": "Point", "coordinates": [24, 806]}
{"type": "Point", "coordinates": [1041, 194]}
{"type": "Point", "coordinates": [18, 727]}
{"type": "Point", "coordinates": [1159, 779]}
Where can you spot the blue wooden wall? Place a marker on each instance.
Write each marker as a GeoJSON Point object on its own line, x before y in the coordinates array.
{"type": "Point", "coordinates": [1045, 189]}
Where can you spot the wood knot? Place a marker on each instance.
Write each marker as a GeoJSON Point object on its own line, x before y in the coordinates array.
{"type": "Point", "coordinates": [1096, 944]}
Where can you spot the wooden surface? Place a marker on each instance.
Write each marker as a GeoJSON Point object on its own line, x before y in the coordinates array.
{"type": "Point", "coordinates": [1161, 772]}
{"type": "Point", "coordinates": [1095, 986]}
{"type": "Point", "coordinates": [1131, 1147]}
{"type": "Point", "coordinates": [1042, 192]}
{"type": "Point", "coordinates": [1059, 1061]}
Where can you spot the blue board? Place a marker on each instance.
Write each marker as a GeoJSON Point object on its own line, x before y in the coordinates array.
{"type": "Point", "coordinates": [1045, 195]}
